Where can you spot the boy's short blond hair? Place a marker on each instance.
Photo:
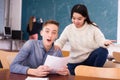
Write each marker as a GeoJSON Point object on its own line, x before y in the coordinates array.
{"type": "Point", "coordinates": [51, 22]}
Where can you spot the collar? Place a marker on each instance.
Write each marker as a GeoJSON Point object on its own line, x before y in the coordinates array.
{"type": "Point", "coordinates": [42, 46]}
{"type": "Point", "coordinates": [81, 28]}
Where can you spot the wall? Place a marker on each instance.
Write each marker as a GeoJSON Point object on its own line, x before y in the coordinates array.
{"type": "Point", "coordinates": [118, 22]}
{"type": "Point", "coordinates": [102, 12]}
{"type": "Point", "coordinates": [15, 14]}
{"type": "Point", "coordinates": [1, 15]}
{"type": "Point", "coordinates": [10, 14]}
{"type": "Point", "coordinates": [61, 8]}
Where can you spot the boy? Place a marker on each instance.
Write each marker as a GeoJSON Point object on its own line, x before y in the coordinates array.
{"type": "Point", "coordinates": [32, 55]}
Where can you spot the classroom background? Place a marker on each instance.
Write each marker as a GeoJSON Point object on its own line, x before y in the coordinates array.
{"type": "Point", "coordinates": [16, 13]}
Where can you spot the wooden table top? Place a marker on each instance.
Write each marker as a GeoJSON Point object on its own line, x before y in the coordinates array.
{"type": "Point", "coordinates": [57, 77]}
{"type": "Point", "coordinates": [11, 76]}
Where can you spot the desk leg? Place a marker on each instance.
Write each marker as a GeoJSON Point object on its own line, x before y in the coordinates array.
{"type": "Point", "coordinates": [11, 44]}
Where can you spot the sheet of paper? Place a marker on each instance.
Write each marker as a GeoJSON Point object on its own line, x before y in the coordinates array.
{"type": "Point", "coordinates": [112, 48]}
{"type": "Point", "coordinates": [56, 63]}
{"type": "Point", "coordinates": [36, 78]}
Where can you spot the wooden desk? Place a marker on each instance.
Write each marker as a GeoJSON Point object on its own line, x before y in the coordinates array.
{"type": "Point", "coordinates": [6, 44]}
{"type": "Point", "coordinates": [57, 77]}
{"type": "Point", "coordinates": [10, 44]}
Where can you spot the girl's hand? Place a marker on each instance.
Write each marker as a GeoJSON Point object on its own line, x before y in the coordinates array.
{"type": "Point", "coordinates": [108, 42]}
{"type": "Point", "coordinates": [56, 47]}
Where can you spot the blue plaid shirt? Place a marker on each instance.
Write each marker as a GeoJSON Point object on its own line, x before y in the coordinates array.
{"type": "Point", "coordinates": [31, 55]}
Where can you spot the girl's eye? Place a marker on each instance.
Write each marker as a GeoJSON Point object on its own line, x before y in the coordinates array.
{"type": "Point", "coordinates": [79, 19]}
{"type": "Point", "coordinates": [73, 18]}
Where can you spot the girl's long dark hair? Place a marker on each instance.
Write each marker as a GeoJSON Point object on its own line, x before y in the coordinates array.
{"type": "Point", "coordinates": [82, 9]}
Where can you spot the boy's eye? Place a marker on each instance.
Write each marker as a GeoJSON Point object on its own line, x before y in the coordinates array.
{"type": "Point", "coordinates": [53, 32]}
{"type": "Point", "coordinates": [46, 31]}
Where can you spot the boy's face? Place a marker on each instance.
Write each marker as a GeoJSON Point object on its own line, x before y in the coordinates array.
{"type": "Point", "coordinates": [49, 33]}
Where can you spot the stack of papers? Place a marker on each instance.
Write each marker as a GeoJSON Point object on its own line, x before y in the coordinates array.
{"type": "Point", "coordinates": [36, 78]}
{"type": "Point", "coordinates": [56, 63]}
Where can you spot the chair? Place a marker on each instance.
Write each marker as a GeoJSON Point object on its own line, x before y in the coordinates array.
{"type": "Point", "coordinates": [7, 58]}
{"type": "Point", "coordinates": [116, 56]}
{"type": "Point", "coordinates": [65, 53]}
{"type": "Point", "coordinates": [16, 34]}
{"type": "Point", "coordinates": [7, 32]}
{"type": "Point", "coordinates": [89, 71]}
{"type": "Point", "coordinates": [4, 74]}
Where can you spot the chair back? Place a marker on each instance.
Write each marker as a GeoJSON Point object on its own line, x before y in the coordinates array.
{"type": "Point", "coordinates": [112, 73]}
{"type": "Point", "coordinates": [65, 53]}
{"type": "Point", "coordinates": [4, 74]}
{"type": "Point", "coordinates": [6, 58]}
{"type": "Point", "coordinates": [116, 56]}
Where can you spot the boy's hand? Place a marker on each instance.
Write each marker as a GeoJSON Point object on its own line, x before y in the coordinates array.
{"type": "Point", "coordinates": [63, 71]}
{"type": "Point", "coordinates": [40, 71]}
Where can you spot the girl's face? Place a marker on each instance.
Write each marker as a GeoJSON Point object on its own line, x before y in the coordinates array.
{"type": "Point", "coordinates": [78, 20]}
{"type": "Point", "coordinates": [34, 19]}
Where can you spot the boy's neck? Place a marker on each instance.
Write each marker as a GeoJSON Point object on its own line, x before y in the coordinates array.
{"type": "Point", "coordinates": [47, 48]}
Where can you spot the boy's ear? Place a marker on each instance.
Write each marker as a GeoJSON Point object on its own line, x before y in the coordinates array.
{"type": "Point", "coordinates": [41, 33]}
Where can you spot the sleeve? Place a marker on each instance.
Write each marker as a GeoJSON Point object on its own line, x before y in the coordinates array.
{"type": "Point", "coordinates": [58, 53]}
{"type": "Point", "coordinates": [99, 37]}
{"type": "Point", "coordinates": [17, 65]}
{"type": "Point", "coordinates": [62, 39]}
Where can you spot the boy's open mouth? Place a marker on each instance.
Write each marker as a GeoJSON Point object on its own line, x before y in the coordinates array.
{"type": "Point", "coordinates": [48, 40]}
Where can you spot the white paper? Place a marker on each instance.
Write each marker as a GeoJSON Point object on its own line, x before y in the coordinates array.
{"type": "Point", "coordinates": [36, 78]}
{"type": "Point", "coordinates": [112, 48]}
{"type": "Point", "coordinates": [56, 63]}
